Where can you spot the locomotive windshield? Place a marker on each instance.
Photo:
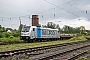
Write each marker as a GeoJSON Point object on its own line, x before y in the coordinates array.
{"type": "Point", "coordinates": [26, 29]}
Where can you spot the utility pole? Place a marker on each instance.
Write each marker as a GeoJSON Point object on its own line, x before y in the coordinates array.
{"type": "Point", "coordinates": [20, 20]}
{"type": "Point", "coordinates": [20, 26]}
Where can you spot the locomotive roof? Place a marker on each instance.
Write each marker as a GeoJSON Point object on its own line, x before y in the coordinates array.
{"type": "Point", "coordinates": [40, 27]}
{"type": "Point", "coordinates": [44, 28]}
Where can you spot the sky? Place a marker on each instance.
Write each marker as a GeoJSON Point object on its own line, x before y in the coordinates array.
{"type": "Point", "coordinates": [74, 13]}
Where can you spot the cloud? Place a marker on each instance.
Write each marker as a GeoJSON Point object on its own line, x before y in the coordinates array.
{"type": "Point", "coordinates": [73, 23]}
{"type": "Point", "coordinates": [67, 14]}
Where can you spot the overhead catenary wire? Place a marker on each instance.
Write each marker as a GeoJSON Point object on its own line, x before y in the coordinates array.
{"type": "Point", "coordinates": [29, 10]}
{"type": "Point", "coordinates": [8, 14]}
{"type": "Point", "coordinates": [77, 8]}
{"type": "Point", "coordinates": [85, 12]}
{"type": "Point", "coordinates": [44, 11]}
{"type": "Point", "coordinates": [28, 15]}
{"type": "Point", "coordinates": [55, 7]}
{"type": "Point", "coordinates": [61, 8]}
{"type": "Point", "coordinates": [47, 10]}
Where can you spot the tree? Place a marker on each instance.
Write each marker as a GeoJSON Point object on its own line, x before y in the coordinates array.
{"type": "Point", "coordinates": [39, 25]}
{"type": "Point", "coordinates": [0, 27]}
{"type": "Point", "coordinates": [8, 29]}
{"type": "Point", "coordinates": [18, 32]}
{"type": "Point", "coordinates": [3, 29]}
{"type": "Point", "coordinates": [50, 25]}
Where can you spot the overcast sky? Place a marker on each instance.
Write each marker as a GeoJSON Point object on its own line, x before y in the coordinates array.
{"type": "Point", "coordinates": [73, 13]}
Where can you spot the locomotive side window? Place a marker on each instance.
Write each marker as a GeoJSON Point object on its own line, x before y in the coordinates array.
{"type": "Point", "coordinates": [33, 29]}
{"type": "Point", "coordinates": [48, 32]}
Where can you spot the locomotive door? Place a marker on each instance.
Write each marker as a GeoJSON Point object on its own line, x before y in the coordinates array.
{"type": "Point", "coordinates": [34, 35]}
{"type": "Point", "coordinates": [38, 32]}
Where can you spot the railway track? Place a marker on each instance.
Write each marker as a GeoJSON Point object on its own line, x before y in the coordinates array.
{"type": "Point", "coordinates": [16, 52]}
{"type": "Point", "coordinates": [51, 56]}
{"type": "Point", "coordinates": [83, 55]}
{"type": "Point", "coordinates": [75, 53]}
{"type": "Point", "coordinates": [39, 50]}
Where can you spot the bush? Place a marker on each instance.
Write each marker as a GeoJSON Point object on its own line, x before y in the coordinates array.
{"type": "Point", "coordinates": [15, 34]}
{"type": "Point", "coordinates": [1, 36]}
{"type": "Point", "coordinates": [6, 34]}
{"type": "Point", "coordinates": [11, 37]}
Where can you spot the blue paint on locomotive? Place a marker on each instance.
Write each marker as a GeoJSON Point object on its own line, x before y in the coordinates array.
{"type": "Point", "coordinates": [38, 32]}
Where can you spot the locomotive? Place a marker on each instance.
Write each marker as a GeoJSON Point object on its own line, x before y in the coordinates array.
{"type": "Point", "coordinates": [36, 33]}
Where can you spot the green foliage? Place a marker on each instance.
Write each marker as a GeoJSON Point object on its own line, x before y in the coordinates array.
{"type": "Point", "coordinates": [7, 35]}
{"type": "Point", "coordinates": [31, 45]}
{"type": "Point", "coordinates": [83, 58]}
{"type": "Point", "coordinates": [39, 25]}
{"type": "Point", "coordinates": [52, 50]}
{"type": "Point", "coordinates": [8, 29]}
{"type": "Point", "coordinates": [51, 25]}
{"type": "Point", "coordinates": [11, 39]}
{"type": "Point", "coordinates": [13, 58]}
{"type": "Point", "coordinates": [0, 27]}
{"type": "Point", "coordinates": [88, 52]}
{"type": "Point", "coordinates": [25, 56]}
{"type": "Point", "coordinates": [1, 36]}
{"type": "Point", "coordinates": [70, 30]}
{"type": "Point", "coordinates": [74, 54]}
{"type": "Point", "coordinates": [16, 34]}
{"type": "Point", "coordinates": [78, 38]}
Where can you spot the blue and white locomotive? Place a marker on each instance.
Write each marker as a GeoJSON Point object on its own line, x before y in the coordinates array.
{"type": "Point", "coordinates": [34, 33]}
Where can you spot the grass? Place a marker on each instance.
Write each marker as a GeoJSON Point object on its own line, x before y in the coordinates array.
{"type": "Point", "coordinates": [11, 40]}
{"type": "Point", "coordinates": [25, 56]}
{"type": "Point", "coordinates": [13, 58]}
{"type": "Point", "coordinates": [37, 44]}
{"type": "Point", "coordinates": [74, 54]}
{"type": "Point", "coordinates": [82, 58]}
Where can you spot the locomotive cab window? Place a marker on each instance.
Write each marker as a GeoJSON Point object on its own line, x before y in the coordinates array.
{"type": "Point", "coordinates": [26, 29]}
